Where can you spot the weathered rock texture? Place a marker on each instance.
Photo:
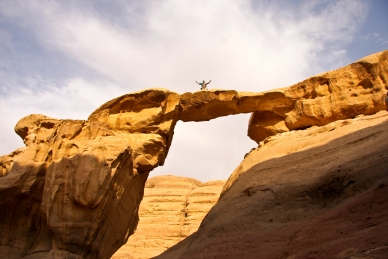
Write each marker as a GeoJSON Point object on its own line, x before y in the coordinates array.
{"type": "Point", "coordinates": [314, 193]}
{"type": "Point", "coordinates": [75, 189]}
{"type": "Point", "coordinates": [335, 95]}
{"type": "Point", "coordinates": [207, 105]}
{"type": "Point", "coordinates": [172, 209]}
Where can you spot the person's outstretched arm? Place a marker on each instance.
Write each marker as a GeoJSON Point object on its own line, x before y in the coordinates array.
{"type": "Point", "coordinates": [209, 82]}
{"type": "Point", "coordinates": [196, 82]}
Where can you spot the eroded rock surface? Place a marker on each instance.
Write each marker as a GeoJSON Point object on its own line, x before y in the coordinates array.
{"type": "Point", "coordinates": [207, 105]}
{"type": "Point", "coordinates": [335, 95]}
{"type": "Point", "coordinates": [172, 209]}
{"type": "Point", "coordinates": [314, 193]}
{"type": "Point", "coordinates": [75, 189]}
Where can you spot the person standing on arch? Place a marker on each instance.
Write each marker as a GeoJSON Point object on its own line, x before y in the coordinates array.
{"type": "Point", "coordinates": [203, 84]}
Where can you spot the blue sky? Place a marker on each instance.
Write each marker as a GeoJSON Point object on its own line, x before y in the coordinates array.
{"type": "Point", "coordinates": [64, 59]}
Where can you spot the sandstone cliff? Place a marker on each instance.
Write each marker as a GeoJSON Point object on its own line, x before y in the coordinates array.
{"type": "Point", "coordinates": [75, 189]}
{"type": "Point", "coordinates": [172, 209]}
{"type": "Point", "coordinates": [313, 193]}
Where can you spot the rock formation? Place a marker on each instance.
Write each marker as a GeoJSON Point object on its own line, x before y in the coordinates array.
{"type": "Point", "coordinates": [313, 193]}
{"type": "Point", "coordinates": [335, 95]}
{"type": "Point", "coordinates": [207, 105]}
{"type": "Point", "coordinates": [75, 189]}
{"type": "Point", "coordinates": [171, 210]}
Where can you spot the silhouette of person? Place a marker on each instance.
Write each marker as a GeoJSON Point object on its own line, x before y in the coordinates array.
{"type": "Point", "coordinates": [203, 84]}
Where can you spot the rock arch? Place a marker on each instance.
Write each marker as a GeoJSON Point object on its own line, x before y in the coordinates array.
{"type": "Point", "coordinates": [74, 190]}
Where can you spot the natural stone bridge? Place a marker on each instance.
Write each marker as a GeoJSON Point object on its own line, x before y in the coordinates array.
{"type": "Point", "coordinates": [74, 190]}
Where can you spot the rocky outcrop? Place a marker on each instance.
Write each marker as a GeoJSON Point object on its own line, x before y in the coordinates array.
{"type": "Point", "coordinates": [172, 209]}
{"type": "Point", "coordinates": [75, 189]}
{"type": "Point", "coordinates": [335, 95]}
{"type": "Point", "coordinates": [313, 193]}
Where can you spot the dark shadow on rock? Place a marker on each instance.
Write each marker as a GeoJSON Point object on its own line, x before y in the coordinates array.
{"type": "Point", "coordinates": [267, 211]}
{"type": "Point", "coordinates": [75, 207]}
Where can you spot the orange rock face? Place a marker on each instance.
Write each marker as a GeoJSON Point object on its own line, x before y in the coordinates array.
{"type": "Point", "coordinates": [335, 95]}
{"type": "Point", "coordinates": [75, 189]}
{"type": "Point", "coordinates": [344, 93]}
{"type": "Point", "coordinates": [172, 209]}
{"type": "Point", "coordinates": [207, 105]}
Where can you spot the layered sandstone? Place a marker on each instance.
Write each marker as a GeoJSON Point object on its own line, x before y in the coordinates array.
{"type": "Point", "coordinates": [172, 209]}
{"type": "Point", "coordinates": [313, 193]}
{"type": "Point", "coordinates": [75, 189]}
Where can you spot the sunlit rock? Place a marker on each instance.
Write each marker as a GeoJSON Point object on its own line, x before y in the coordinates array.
{"type": "Point", "coordinates": [358, 88]}
{"type": "Point", "coordinates": [75, 189]}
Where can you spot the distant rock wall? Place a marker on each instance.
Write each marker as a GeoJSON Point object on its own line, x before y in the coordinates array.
{"type": "Point", "coordinates": [172, 209]}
